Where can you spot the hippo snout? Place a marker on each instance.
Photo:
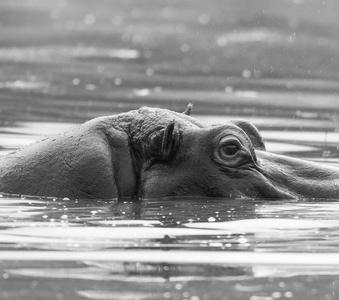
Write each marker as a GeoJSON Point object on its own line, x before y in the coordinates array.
{"type": "Point", "coordinates": [297, 177]}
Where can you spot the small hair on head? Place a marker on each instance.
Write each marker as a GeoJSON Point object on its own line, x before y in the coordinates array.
{"type": "Point", "coordinates": [188, 109]}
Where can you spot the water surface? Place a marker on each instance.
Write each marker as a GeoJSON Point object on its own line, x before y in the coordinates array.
{"type": "Point", "coordinates": [168, 249]}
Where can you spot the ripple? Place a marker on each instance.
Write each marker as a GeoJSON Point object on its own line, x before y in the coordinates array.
{"type": "Point", "coordinates": [24, 85]}
{"type": "Point", "coordinates": [61, 53]}
{"type": "Point", "coordinates": [245, 258]}
{"type": "Point", "coordinates": [254, 36]}
{"type": "Point", "coordinates": [103, 295]}
{"type": "Point", "coordinates": [266, 225]}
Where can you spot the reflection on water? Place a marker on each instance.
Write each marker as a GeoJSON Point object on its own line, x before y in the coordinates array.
{"type": "Point", "coordinates": [184, 223]}
{"type": "Point", "coordinates": [182, 248]}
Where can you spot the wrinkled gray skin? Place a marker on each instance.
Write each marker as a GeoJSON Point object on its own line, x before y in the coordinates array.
{"type": "Point", "coordinates": [154, 152]}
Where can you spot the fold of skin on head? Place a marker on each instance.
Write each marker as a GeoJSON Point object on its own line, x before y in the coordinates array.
{"type": "Point", "coordinates": [153, 153]}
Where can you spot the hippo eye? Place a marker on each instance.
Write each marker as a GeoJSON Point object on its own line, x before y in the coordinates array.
{"type": "Point", "coordinates": [231, 152]}
{"type": "Point", "coordinates": [229, 146]}
{"type": "Point", "coordinates": [230, 149]}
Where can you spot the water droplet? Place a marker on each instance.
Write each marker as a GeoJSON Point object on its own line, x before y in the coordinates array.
{"type": "Point", "coordinates": [276, 295]}
{"type": "Point", "coordinates": [60, 296]}
{"type": "Point", "coordinates": [242, 240]}
{"type": "Point", "coordinates": [89, 19]}
{"type": "Point", "coordinates": [186, 294]}
{"type": "Point", "coordinates": [168, 295]}
{"type": "Point", "coordinates": [288, 294]}
{"type": "Point", "coordinates": [246, 74]}
{"type": "Point", "coordinates": [117, 81]}
{"type": "Point", "coordinates": [222, 41]}
{"type": "Point", "coordinates": [211, 219]}
{"type": "Point", "coordinates": [229, 89]}
{"type": "Point", "coordinates": [90, 87]}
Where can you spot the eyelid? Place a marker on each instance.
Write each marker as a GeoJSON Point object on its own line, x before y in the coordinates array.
{"type": "Point", "coordinates": [229, 139]}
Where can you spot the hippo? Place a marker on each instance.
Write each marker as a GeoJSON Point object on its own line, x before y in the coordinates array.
{"type": "Point", "coordinates": [158, 153]}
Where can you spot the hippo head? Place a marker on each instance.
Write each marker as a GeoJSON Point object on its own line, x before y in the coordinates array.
{"type": "Point", "coordinates": [213, 161]}
{"type": "Point", "coordinates": [183, 157]}
{"type": "Point", "coordinates": [152, 153]}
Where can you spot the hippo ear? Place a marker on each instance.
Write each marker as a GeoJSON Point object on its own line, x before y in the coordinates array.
{"type": "Point", "coordinates": [163, 143]}
{"type": "Point", "coordinates": [188, 109]}
{"type": "Point", "coordinates": [252, 132]}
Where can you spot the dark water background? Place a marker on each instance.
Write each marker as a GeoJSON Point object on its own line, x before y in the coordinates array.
{"type": "Point", "coordinates": [273, 62]}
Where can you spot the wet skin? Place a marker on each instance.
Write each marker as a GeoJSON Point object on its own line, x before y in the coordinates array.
{"type": "Point", "coordinates": [152, 153]}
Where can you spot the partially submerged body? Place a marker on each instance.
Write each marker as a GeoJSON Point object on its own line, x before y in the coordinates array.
{"type": "Point", "coordinates": [152, 153]}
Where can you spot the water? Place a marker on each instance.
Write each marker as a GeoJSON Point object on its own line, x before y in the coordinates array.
{"type": "Point", "coordinates": [168, 249]}
{"type": "Point", "coordinates": [173, 246]}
